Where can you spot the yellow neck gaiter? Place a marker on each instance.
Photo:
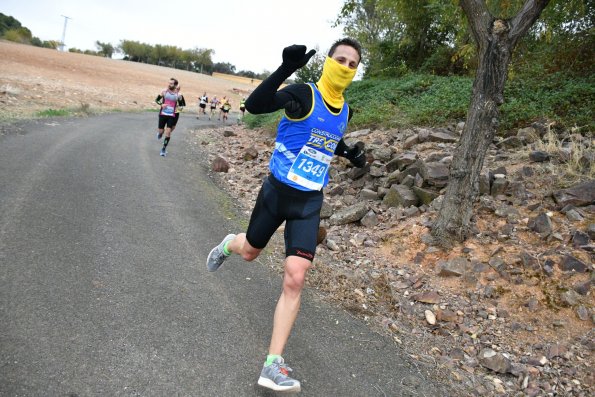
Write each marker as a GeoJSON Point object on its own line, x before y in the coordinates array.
{"type": "Point", "coordinates": [334, 80]}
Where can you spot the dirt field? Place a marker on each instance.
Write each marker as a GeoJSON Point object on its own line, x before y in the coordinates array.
{"type": "Point", "coordinates": [36, 79]}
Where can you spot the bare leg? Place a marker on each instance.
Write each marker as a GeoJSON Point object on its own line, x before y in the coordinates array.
{"type": "Point", "coordinates": [288, 305]}
{"type": "Point", "coordinates": [239, 245]}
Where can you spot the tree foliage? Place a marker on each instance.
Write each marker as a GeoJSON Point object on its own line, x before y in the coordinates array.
{"type": "Point", "coordinates": [312, 70]}
{"type": "Point", "coordinates": [432, 36]}
{"type": "Point", "coordinates": [105, 49]}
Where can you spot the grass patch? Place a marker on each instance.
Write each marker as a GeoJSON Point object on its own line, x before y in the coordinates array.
{"type": "Point", "coordinates": [428, 100]}
{"type": "Point", "coordinates": [53, 113]}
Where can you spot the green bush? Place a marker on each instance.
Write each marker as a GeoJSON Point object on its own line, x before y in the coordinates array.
{"type": "Point", "coordinates": [53, 113]}
{"type": "Point", "coordinates": [429, 100]}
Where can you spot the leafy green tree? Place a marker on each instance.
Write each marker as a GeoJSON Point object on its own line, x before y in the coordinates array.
{"type": "Point", "coordinates": [19, 35]}
{"type": "Point", "coordinates": [8, 23]}
{"type": "Point", "coordinates": [104, 49]}
{"type": "Point", "coordinates": [312, 70]}
{"type": "Point", "coordinates": [496, 37]}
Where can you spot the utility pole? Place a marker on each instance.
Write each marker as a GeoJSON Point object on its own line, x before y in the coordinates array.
{"type": "Point", "coordinates": [62, 43]}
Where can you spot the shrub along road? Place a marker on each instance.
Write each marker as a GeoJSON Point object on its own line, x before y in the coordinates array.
{"type": "Point", "coordinates": [104, 291]}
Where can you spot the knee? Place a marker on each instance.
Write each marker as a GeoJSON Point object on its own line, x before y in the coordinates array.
{"type": "Point", "coordinates": [294, 282]}
{"type": "Point", "coordinates": [249, 256]}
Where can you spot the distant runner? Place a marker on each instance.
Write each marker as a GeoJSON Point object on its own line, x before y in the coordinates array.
{"type": "Point", "coordinates": [202, 103]}
{"type": "Point", "coordinates": [214, 103]}
{"type": "Point", "coordinates": [221, 102]}
{"type": "Point", "coordinates": [242, 107]}
{"type": "Point", "coordinates": [168, 100]}
{"type": "Point", "coordinates": [225, 108]}
{"type": "Point", "coordinates": [310, 133]}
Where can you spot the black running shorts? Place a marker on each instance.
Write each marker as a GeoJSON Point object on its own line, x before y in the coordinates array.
{"type": "Point", "coordinates": [300, 210]}
{"type": "Point", "coordinates": [203, 105]}
{"type": "Point", "coordinates": [170, 121]}
{"type": "Point", "coordinates": [176, 117]}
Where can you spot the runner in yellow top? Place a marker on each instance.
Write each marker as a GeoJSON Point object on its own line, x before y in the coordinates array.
{"type": "Point", "coordinates": [225, 108]}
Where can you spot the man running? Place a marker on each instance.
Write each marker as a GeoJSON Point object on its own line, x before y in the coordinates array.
{"type": "Point", "coordinates": [225, 108]}
{"type": "Point", "coordinates": [221, 102]}
{"type": "Point", "coordinates": [168, 100]}
{"type": "Point", "coordinates": [203, 100]}
{"type": "Point", "coordinates": [242, 107]}
{"type": "Point", "coordinates": [316, 117]}
{"type": "Point", "coordinates": [214, 103]}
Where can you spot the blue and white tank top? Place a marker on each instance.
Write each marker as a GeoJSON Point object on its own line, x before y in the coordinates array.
{"type": "Point", "coordinates": [304, 148]}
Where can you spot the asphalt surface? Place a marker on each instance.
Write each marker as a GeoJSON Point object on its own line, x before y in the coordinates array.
{"type": "Point", "coordinates": [104, 290]}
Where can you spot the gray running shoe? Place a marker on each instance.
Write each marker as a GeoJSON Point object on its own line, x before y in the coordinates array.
{"type": "Point", "coordinates": [276, 377]}
{"type": "Point", "coordinates": [217, 256]}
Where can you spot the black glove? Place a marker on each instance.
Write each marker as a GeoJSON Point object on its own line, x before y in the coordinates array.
{"type": "Point", "coordinates": [295, 56]}
{"type": "Point", "coordinates": [357, 155]}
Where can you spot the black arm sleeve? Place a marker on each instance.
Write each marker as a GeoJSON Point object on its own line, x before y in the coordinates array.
{"type": "Point", "coordinates": [296, 99]}
{"type": "Point", "coordinates": [159, 99]}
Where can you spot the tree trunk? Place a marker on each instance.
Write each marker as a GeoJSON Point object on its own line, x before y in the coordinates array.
{"type": "Point", "coordinates": [496, 40]}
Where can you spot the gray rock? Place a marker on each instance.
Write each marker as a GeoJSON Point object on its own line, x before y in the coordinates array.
{"type": "Point", "coordinates": [332, 245]}
{"type": "Point", "coordinates": [453, 268]}
{"type": "Point", "coordinates": [393, 178]}
{"type": "Point", "coordinates": [326, 211]}
{"type": "Point", "coordinates": [413, 169]}
{"type": "Point", "coordinates": [383, 154]}
{"type": "Point", "coordinates": [423, 134]}
{"type": "Point", "coordinates": [460, 127]}
{"type": "Point", "coordinates": [580, 239]}
{"type": "Point", "coordinates": [436, 174]}
{"type": "Point", "coordinates": [400, 196]}
{"type": "Point", "coordinates": [570, 298]}
{"type": "Point", "coordinates": [404, 159]}
{"type": "Point", "coordinates": [498, 187]}
{"type": "Point", "coordinates": [425, 196]}
{"type": "Point", "coordinates": [541, 224]}
{"type": "Point", "coordinates": [411, 211]}
{"type": "Point", "coordinates": [583, 288]}
{"type": "Point", "coordinates": [367, 194]}
{"type": "Point", "coordinates": [570, 264]}
{"type": "Point", "coordinates": [357, 173]}
{"type": "Point", "coordinates": [485, 182]}
{"type": "Point", "coordinates": [591, 231]}
{"type": "Point", "coordinates": [527, 135]}
{"type": "Point", "coordinates": [497, 362]}
{"type": "Point", "coordinates": [408, 181]}
{"type": "Point", "coordinates": [250, 153]}
{"type": "Point", "coordinates": [419, 180]}
{"type": "Point", "coordinates": [358, 133]}
{"type": "Point", "coordinates": [376, 172]}
{"type": "Point", "coordinates": [349, 215]}
{"type": "Point", "coordinates": [582, 313]}
{"type": "Point", "coordinates": [370, 219]}
{"type": "Point", "coordinates": [228, 133]}
{"type": "Point", "coordinates": [574, 216]}
{"type": "Point", "coordinates": [538, 156]}
{"type": "Point", "coordinates": [410, 142]}
{"type": "Point", "coordinates": [220, 164]}
{"type": "Point", "coordinates": [578, 195]}
{"type": "Point", "coordinates": [510, 143]}
{"type": "Point", "coordinates": [442, 137]}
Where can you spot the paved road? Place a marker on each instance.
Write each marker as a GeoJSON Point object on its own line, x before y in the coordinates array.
{"type": "Point", "coordinates": [103, 287]}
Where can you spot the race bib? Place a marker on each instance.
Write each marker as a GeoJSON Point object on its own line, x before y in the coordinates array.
{"type": "Point", "coordinates": [309, 168]}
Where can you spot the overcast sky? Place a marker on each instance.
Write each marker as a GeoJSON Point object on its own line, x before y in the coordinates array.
{"type": "Point", "coordinates": [250, 34]}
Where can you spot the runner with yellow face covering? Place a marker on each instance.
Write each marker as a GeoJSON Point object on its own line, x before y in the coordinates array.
{"type": "Point", "coordinates": [316, 117]}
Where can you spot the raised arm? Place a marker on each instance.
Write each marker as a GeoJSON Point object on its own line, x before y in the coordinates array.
{"type": "Point", "coordinates": [266, 98]}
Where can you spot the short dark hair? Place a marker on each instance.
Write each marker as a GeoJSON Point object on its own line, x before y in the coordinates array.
{"type": "Point", "coordinates": [175, 81]}
{"type": "Point", "coordinates": [349, 42]}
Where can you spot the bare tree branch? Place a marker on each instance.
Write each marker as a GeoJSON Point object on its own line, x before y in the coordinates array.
{"type": "Point", "coordinates": [479, 18]}
{"type": "Point", "coordinates": [525, 19]}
